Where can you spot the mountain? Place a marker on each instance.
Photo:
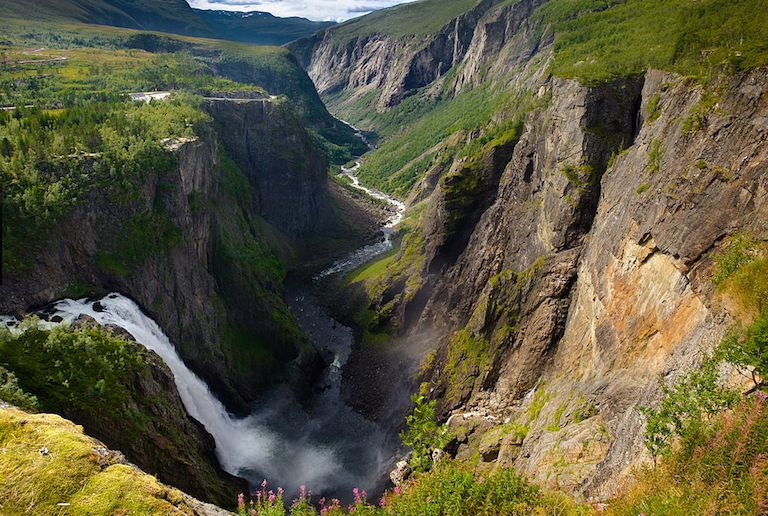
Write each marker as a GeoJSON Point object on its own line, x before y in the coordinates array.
{"type": "Point", "coordinates": [566, 312]}
{"type": "Point", "coordinates": [574, 174]}
{"type": "Point", "coordinates": [173, 16]}
{"type": "Point", "coordinates": [257, 27]}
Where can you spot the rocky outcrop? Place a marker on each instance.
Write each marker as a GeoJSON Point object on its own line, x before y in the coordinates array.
{"type": "Point", "coordinates": [344, 68]}
{"type": "Point", "coordinates": [396, 66]}
{"type": "Point", "coordinates": [89, 476]}
{"type": "Point", "coordinates": [586, 278]}
{"type": "Point", "coordinates": [168, 246]}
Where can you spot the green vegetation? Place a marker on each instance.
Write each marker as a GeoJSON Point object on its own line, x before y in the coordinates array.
{"type": "Point", "coordinates": [697, 116]}
{"type": "Point", "coordinates": [599, 40]}
{"type": "Point", "coordinates": [718, 467]}
{"type": "Point", "coordinates": [424, 126]}
{"type": "Point", "coordinates": [423, 434]}
{"type": "Point", "coordinates": [413, 19]}
{"type": "Point", "coordinates": [653, 108]}
{"type": "Point", "coordinates": [85, 370]}
{"type": "Point", "coordinates": [467, 357]}
{"type": "Point", "coordinates": [683, 406]}
{"type": "Point", "coordinates": [10, 392]}
{"type": "Point", "coordinates": [540, 398]}
{"type": "Point", "coordinates": [741, 268]}
{"type": "Point", "coordinates": [555, 425]}
{"type": "Point", "coordinates": [69, 471]}
{"type": "Point", "coordinates": [56, 159]}
{"type": "Point", "coordinates": [642, 188]}
{"type": "Point", "coordinates": [582, 177]}
{"type": "Point", "coordinates": [450, 488]}
{"type": "Point", "coordinates": [740, 250]}
{"type": "Point", "coordinates": [654, 156]}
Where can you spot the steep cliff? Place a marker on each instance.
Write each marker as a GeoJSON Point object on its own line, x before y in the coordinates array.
{"type": "Point", "coordinates": [557, 255]}
{"type": "Point", "coordinates": [193, 245]}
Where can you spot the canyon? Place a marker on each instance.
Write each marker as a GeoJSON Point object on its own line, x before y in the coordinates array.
{"type": "Point", "coordinates": [459, 205]}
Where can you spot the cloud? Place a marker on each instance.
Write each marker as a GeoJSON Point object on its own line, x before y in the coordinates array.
{"type": "Point", "coordinates": [336, 10]}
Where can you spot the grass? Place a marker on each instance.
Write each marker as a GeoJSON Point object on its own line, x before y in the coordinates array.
{"type": "Point", "coordinates": [599, 40]}
{"type": "Point", "coordinates": [653, 165]}
{"type": "Point", "coordinates": [70, 472]}
{"type": "Point", "coordinates": [373, 269]}
{"type": "Point", "coordinates": [411, 19]}
{"type": "Point", "coordinates": [719, 467]}
{"type": "Point", "coordinates": [424, 126]}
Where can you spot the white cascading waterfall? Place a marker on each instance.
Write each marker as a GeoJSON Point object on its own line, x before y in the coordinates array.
{"type": "Point", "coordinates": [242, 445]}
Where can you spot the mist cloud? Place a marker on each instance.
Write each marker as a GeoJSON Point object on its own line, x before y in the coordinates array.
{"type": "Point", "coordinates": [336, 10]}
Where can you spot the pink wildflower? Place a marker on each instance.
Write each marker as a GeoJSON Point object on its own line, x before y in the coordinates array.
{"type": "Point", "coordinates": [302, 491]}
{"type": "Point", "coordinates": [383, 501]}
{"type": "Point", "coordinates": [279, 492]}
{"type": "Point", "coordinates": [397, 490]}
{"type": "Point", "coordinates": [762, 396]}
{"type": "Point", "coordinates": [241, 501]}
{"type": "Point", "coordinates": [481, 480]}
{"type": "Point", "coordinates": [252, 512]}
{"type": "Point", "coordinates": [271, 497]}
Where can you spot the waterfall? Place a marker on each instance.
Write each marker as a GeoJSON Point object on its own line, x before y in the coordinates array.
{"type": "Point", "coordinates": [331, 449]}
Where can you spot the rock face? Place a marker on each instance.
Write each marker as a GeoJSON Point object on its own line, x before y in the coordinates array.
{"type": "Point", "coordinates": [287, 171]}
{"type": "Point", "coordinates": [399, 66]}
{"type": "Point", "coordinates": [174, 247]}
{"type": "Point", "coordinates": [566, 270]}
{"type": "Point", "coordinates": [173, 446]}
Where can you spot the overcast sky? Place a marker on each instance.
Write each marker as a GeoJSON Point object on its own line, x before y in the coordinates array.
{"type": "Point", "coordinates": [337, 10]}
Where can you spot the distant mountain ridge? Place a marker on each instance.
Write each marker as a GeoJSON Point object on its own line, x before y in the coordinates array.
{"type": "Point", "coordinates": [174, 16]}
{"type": "Point", "coordinates": [259, 27]}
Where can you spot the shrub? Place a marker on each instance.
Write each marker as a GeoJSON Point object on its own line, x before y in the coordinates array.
{"type": "Point", "coordinates": [684, 404]}
{"type": "Point", "coordinates": [10, 392]}
{"type": "Point", "coordinates": [423, 433]}
{"type": "Point", "coordinates": [642, 188]}
{"type": "Point", "coordinates": [452, 488]}
{"type": "Point", "coordinates": [653, 108]}
{"type": "Point", "coordinates": [720, 467]}
{"type": "Point", "coordinates": [654, 156]}
{"type": "Point", "coordinates": [748, 350]}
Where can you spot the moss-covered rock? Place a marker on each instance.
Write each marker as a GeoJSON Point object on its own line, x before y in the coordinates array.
{"type": "Point", "coordinates": [49, 466]}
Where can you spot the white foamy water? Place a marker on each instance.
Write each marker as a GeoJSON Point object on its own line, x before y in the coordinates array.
{"type": "Point", "coordinates": [364, 254]}
{"type": "Point", "coordinates": [243, 445]}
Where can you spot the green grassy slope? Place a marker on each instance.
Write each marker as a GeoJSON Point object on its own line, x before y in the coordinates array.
{"type": "Point", "coordinates": [174, 16]}
{"type": "Point", "coordinates": [163, 15]}
{"type": "Point", "coordinates": [597, 40]}
{"type": "Point", "coordinates": [417, 18]}
{"type": "Point", "coordinates": [594, 41]}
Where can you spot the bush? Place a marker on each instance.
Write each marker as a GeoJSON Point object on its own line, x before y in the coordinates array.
{"type": "Point", "coordinates": [748, 350]}
{"type": "Point", "coordinates": [720, 467]}
{"type": "Point", "coordinates": [449, 489]}
{"type": "Point", "coordinates": [684, 404]}
{"type": "Point", "coordinates": [423, 433]}
{"type": "Point", "coordinates": [10, 392]}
